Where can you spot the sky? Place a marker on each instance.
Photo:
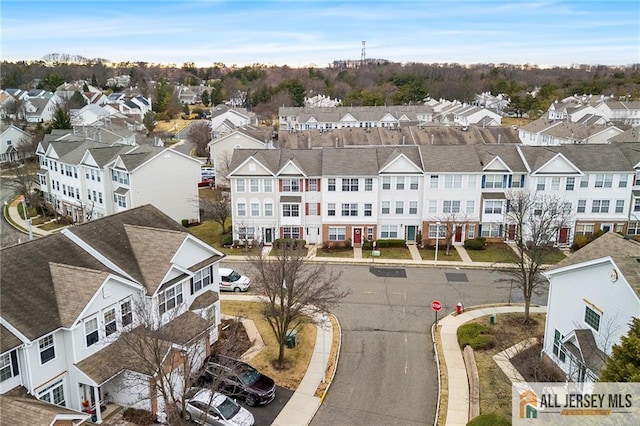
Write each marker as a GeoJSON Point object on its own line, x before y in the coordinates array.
{"type": "Point", "coordinates": [301, 33]}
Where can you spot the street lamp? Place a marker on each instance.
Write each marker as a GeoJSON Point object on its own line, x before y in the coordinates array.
{"type": "Point", "coordinates": [435, 262]}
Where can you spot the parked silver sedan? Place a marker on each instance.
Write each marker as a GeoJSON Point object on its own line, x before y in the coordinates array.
{"type": "Point", "coordinates": [206, 407]}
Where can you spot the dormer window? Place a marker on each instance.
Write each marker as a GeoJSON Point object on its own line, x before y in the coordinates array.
{"type": "Point", "coordinates": [170, 298]}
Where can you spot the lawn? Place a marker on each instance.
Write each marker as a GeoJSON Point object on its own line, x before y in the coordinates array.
{"type": "Point", "coordinates": [298, 357]}
{"type": "Point", "coordinates": [495, 387]}
{"type": "Point", "coordinates": [554, 256]}
{"type": "Point", "coordinates": [335, 252]}
{"type": "Point", "coordinates": [494, 253]}
{"type": "Point", "coordinates": [389, 253]}
{"type": "Point", "coordinates": [430, 254]}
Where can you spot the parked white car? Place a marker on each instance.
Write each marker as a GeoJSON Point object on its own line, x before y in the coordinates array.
{"type": "Point", "coordinates": [206, 407]}
{"type": "Point", "coordinates": [231, 280]}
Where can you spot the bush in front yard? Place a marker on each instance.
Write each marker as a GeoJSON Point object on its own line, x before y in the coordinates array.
{"type": "Point", "coordinates": [476, 335]}
{"type": "Point", "coordinates": [490, 419]}
{"type": "Point", "coordinates": [478, 243]}
{"type": "Point", "coordinates": [137, 416]}
{"type": "Point", "coordinates": [390, 243]}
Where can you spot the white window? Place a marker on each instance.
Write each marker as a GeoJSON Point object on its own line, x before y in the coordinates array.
{"type": "Point", "coordinates": [600, 206]}
{"type": "Point", "coordinates": [368, 209]}
{"type": "Point", "coordinates": [268, 209]}
{"type": "Point", "coordinates": [471, 206]}
{"type": "Point", "coordinates": [53, 394]}
{"type": "Point", "coordinates": [453, 181]}
{"type": "Point", "coordinates": [493, 207]}
{"type": "Point", "coordinates": [255, 209]}
{"type": "Point", "coordinates": [493, 181]}
{"type": "Point", "coordinates": [619, 206]}
{"type": "Point", "coordinates": [201, 279]}
{"type": "Point", "coordinates": [91, 331]}
{"type": "Point", "coordinates": [170, 298]}
{"type": "Point", "coordinates": [622, 183]}
{"type": "Point", "coordinates": [8, 366]}
{"type": "Point", "coordinates": [120, 177]}
{"type": "Point", "coordinates": [267, 184]}
{"type": "Point", "coordinates": [437, 231]}
{"type": "Point", "coordinates": [471, 181]}
{"type": "Point", "coordinates": [254, 185]}
{"type": "Point", "coordinates": [110, 325]}
{"type": "Point", "coordinates": [491, 230]}
{"type": "Point", "coordinates": [126, 317]}
{"type": "Point", "coordinates": [350, 185]}
{"type": "Point", "coordinates": [399, 207]}
{"type": "Point", "coordinates": [337, 233]}
{"type": "Point", "coordinates": [415, 183]}
{"type": "Point", "coordinates": [368, 184]}
{"type": "Point", "coordinates": [399, 183]}
{"type": "Point", "coordinates": [555, 183]}
{"type": "Point", "coordinates": [313, 209]}
{"type": "Point", "coordinates": [291, 210]}
{"type": "Point", "coordinates": [313, 185]}
{"type": "Point", "coordinates": [386, 207]}
{"type": "Point", "coordinates": [633, 228]}
{"type": "Point", "coordinates": [604, 180]}
{"type": "Point", "coordinates": [389, 231]}
{"type": "Point", "coordinates": [290, 185]}
{"type": "Point", "coordinates": [120, 200]}
{"type": "Point", "coordinates": [449, 206]}
{"type": "Point", "coordinates": [541, 183]}
{"type": "Point", "coordinates": [331, 209]}
{"type": "Point", "coordinates": [292, 232]}
{"type": "Point", "coordinates": [571, 183]}
{"type": "Point", "coordinates": [584, 229]}
{"type": "Point", "coordinates": [370, 233]}
{"type": "Point", "coordinates": [582, 206]}
{"type": "Point", "coordinates": [242, 209]}
{"type": "Point", "coordinates": [584, 182]}
{"type": "Point", "coordinates": [331, 184]}
{"type": "Point", "coordinates": [47, 349]}
{"type": "Point", "coordinates": [517, 181]}
{"type": "Point", "coordinates": [246, 232]}
{"type": "Point", "coordinates": [413, 207]}
{"type": "Point", "coordinates": [433, 181]}
{"type": "Point", "coordinates": [386, 182]}
{"type": "Point", "coordinates": [349, 209]}
{"type": "Point", "coordinates": [240, 185]}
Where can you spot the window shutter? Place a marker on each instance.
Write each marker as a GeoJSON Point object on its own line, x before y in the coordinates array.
{"type": "Point", "coordinates": [14, 363]}
{"type": "Point", "coordinates": [521, 181]}
{"type": "Point", "coordinates": [306, 185]}
{"type": "Point", "coordinates": [500, 230]}
{"type": "Point", "coordinates": [306, 209]}
{"type": "Point", "coordinates": [504, 181]}
{"type": "Point", "coordinates": [318, 189]}
{"type": "Point", "coordinates": [318, 208]}
{"type": "Point", "coordinates": [510, 180]}
{"type": "Point", "coordinates": [191, 284]}
{"type": "Point", "coordinates": [484, 179]}
{"type": "Point", "coordinates": [280, 185]}
{"type": "Point", "coordinates": [301, 185]}
{"type": "Point", "coordinates": [301, 233]}
{"type": "Point", "coordinates": [479, 230]}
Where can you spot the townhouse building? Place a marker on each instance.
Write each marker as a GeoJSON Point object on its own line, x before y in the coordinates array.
{"type": "Point", "coordinates": [70, 327]}
{"type": "Point", "coordinates": [85, 180]}
{"type": "Point", "coordinates": [12, 142]}
{"type": "Point", "coordinates": [348, 195]}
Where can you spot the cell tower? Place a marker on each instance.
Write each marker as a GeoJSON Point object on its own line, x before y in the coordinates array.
{"type": "Point", "coordinates": [363, 54]}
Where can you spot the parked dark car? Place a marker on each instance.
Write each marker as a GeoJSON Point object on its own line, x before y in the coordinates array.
{"type": "Point", "coordinates": [237, 379]}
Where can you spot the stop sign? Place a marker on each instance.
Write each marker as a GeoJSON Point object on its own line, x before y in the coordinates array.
{"type": "Point", "coordinates": [436, 305]}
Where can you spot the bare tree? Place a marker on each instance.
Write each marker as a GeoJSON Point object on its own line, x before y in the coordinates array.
{"type": "Point", "coordinates": [25, 182]}
{"type": "Point", "coordinates": [217, 208]}
{"type": "Point", "coordinates": [450, 223]}
{"type": "Point", "coordinates": [537, 220]}
{"type": "Point", "coordinates": [223, 167]}
{"type": "Point", "coordinates": [200, 135]}
{"type": "Point", "coordinates": [293, 289]}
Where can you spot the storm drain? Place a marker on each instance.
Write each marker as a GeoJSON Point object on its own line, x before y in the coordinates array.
{"type": "Point", "coordinates": [388, 272]}
{"type": "Point", "coordinates": [456, 277]}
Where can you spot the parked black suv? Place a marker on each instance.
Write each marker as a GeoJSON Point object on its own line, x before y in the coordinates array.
{"type": "Point", "coordinates": [235, 378]}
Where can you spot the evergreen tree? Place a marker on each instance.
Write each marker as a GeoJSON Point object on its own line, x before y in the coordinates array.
{"type": "Point", "coordinates": [61, 118]}
{"type": "Point", "coordinates": [624, 363]}
{"type": "Point", "coordinates": [205, 97]}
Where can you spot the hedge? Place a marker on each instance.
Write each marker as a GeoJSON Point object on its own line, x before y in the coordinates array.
{"type": "Point", "coordinates": [476, 335]}
{"type": "Point", "coordinates": [290, 243]}
{"type": "Point", "coordinates": [390, 243]}
{"type": "Point", "coordinates": [478, 243]}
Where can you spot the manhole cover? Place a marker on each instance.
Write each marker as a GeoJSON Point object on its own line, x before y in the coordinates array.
{"type": "Point", "coordinates": [455, 277]}
{"type": "Point", "coordinates": [388, 272]}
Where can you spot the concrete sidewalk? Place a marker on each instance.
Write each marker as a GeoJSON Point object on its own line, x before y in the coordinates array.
{"type": "Point", "coordinates": [458, 403]}
{"type": "Point", "coordinates": [14, 218]}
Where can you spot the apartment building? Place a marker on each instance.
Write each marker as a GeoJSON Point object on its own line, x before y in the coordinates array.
{"type": "Point", "coordinates": [347, 195]}
{"type": "Point", "coordinates": [85, 180]}
{"type": "Point", "coordinates": [72, 302]}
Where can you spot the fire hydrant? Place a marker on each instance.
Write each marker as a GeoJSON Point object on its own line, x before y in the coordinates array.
{"type": "Point", "coordinates": [459, 309]}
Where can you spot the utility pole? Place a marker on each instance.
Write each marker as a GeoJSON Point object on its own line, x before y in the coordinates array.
{"type": "Point", "coordinates": [363, 54]}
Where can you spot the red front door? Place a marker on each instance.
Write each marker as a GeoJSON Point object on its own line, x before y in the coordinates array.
{"type": "Point", "coordinates": [458, 234]}
{"type": "Point", "coordinates": [564, 236]}
{"type": "Point", "coordinates": [357, 236]}
{"type": "Point", "coordinates": [511, 232]}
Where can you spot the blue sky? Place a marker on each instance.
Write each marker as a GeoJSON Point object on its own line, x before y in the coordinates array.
{"type": "Point", "coordinates": [303, 33]}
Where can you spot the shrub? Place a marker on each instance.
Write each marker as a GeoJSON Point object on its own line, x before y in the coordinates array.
{"type": "Point", "coordinates": [227, 240]}
{"type": "Point", "coordinates": [478, 243]}
{"type": "Point", "coordinates": [490, 419]}
{"type": "Point", "coordinates": [476, 335]}
{"type": "Point", "coordinates": [289, 243]}
{"type": "Point", "coordinates": [137, 416]}
{"type": "Point", "coordinates": [390, 243]}
{"type": "Point", "coordinates": [367, 245]}
{"type": "Point", "coordinates": [185, 222]}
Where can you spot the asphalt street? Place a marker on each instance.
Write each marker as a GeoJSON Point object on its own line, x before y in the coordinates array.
{"type": "Point", "coordinates": [8, 234]}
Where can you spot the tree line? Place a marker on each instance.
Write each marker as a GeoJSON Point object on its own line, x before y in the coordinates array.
{"type": "Point", "coordinates": [264, 89]}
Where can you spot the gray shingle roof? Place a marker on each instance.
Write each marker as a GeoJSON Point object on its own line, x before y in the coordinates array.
{"type": "Point", "coordinates": [588, 158]}
{"type": "Point", "coordinates": [27, 411]}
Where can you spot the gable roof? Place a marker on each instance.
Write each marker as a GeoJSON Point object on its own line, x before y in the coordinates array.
{"type": "Point", "coordinates": [28, 411]}
{"type": "Point", "coordinates": [61, 267]}
{"type": "Point", "coordinates": [624, 252]}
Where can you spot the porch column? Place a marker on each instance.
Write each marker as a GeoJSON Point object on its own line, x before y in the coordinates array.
{"type": "Point", "coordinates": [96, 398]}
